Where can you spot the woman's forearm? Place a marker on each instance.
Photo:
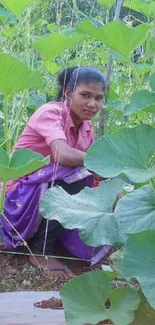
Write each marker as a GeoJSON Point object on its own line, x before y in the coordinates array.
{"type": "Point", "coordinates": [65, 155]}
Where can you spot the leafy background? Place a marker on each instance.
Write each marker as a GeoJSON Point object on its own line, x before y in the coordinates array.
{"type": "Point", "coordinates": [86, 33]}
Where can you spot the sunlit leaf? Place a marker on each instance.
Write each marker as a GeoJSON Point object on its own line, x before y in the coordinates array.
{"type": "Point", "coordinates": [51, 46]}
{"type": "Point", "coordinates": [17, 6]}
{"type": "Point", "coordinates": [23, 162]}
{"type": "Point", "coordinates": [116, 35]}
{"type": "Point", "coordinates": [106, 3]}
{"type": "Point", "coordinates": [143, 68]}
{"type": "Point", "coordinates": [16, 76]}
{"type": "Point", "coordinates": [152, 44]}
{"type": "Point", "coordinates": [145, 8]}
{"type": "Point", "coordinates": [52, 67]}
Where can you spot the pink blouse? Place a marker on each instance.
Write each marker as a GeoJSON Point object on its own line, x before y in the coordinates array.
{"type": "Point", "coordinates": [50, 122]}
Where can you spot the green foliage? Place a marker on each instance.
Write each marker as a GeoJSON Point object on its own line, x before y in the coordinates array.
{"type": "Point", "coordinates": [147, 8]}
{"type": "Point", "coordinates": [52, 67]}
{"type": "Point", "coordinates": [16, 76]}
{"type": "Point", "coordinates": [106, 3]}
{"type": "Point", "coordinates": [17, 6]}
{"type": "Point", "coordinates": [22, 162]}
{"type": "Point", "coordinates": [61, 43]}
{"type": "Point", "coordinates": [90, 211]}
{"type": "Point", "coordinates": [85, 297]}
{"type": "Point", "coordinates": [139, 262]}
{"type": "Point", "coordinates": [137, 206]}
{"type": "Point", "coordinates": [116, 35]}
{"type": "Point", "coordinates": [141, 100]}
{"type": "Point", "coordinates": [152, 81]}
{"type": "Point", "coordinates": [145, 314]}
{"type": "Point", "coordinates": [49, 37]}
{"type": "Point", "coordinates": [127, 152]}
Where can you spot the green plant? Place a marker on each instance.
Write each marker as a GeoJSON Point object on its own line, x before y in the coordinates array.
{"type": "Point", "coordinates": [132, 223]}
{"type": "Point", "coordinates": [29, 64]}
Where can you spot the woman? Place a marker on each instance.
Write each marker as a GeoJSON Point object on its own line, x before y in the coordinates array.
{"type": "Point", "coordinates": [62, 130]}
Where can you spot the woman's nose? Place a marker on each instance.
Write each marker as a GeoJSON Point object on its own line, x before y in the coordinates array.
{"type": "Point", "coordinates": [91, 103]}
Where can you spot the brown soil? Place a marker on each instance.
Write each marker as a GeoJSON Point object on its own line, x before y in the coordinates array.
{"type": "Point", "coordinates": [17, 274]}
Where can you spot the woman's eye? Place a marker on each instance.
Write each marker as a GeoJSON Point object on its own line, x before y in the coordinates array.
{"type": "Point", "coordinates": [85, 95]}
{"type": "Point", "coordinates": [100, 98]}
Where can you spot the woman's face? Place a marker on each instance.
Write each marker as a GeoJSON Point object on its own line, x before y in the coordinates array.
{"type": "Point", "coordinates": [86, 100]}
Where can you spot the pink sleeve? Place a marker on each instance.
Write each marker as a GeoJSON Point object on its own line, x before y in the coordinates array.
{"type": "Point", "coordinates": [49, 126]}
{"type": "Point", "coordinates": [92, 136]}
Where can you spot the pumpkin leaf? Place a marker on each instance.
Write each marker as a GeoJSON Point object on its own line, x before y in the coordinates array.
{"type": "Point", "coordinates": [106, 3]}
{"type": "Point", "coordinates": [17, 6]}
{"type": "Point", "coordinates": [145, 8]}
{"type": "Point", "coordinates": [16, 76]}
{"type": "Point", "coordinates": [137, 206]}
{"type": "Point", "coordinates": [125, 152]}
{"type": "Point", "coordinates": [22, 162]}
{"type": "Point", "coordinates": [116, 35]}
{"type": "Point", "coordinates": [90, 211]}
{"type": "Point", "coordinates": [51, 46]}
{"type": "Point", "coordinates": [139, 262]}
{"type": "Point", "coordinates": [84, 299]}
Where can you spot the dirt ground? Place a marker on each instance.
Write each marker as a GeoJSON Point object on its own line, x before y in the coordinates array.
{"type": "Point", "coordinates": [17, 274]}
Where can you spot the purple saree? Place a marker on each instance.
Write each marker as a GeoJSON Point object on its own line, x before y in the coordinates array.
{"type": "Point", "coordinates": [22, 210]}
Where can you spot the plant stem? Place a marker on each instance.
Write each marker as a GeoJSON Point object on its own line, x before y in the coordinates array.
{"type": "Point", "coordinates": [20, 116]}
{"type": "Point", "coordinates": [135, 72]}
{"type": "Point", "coordinates": [109, 66]}
{"type": "Point", "coordinates": [153, 183]}
{"type": "Point", "coordinates": [6, 129]}
{"type": "Point", "coordinates": [2, 197]}
{"type": "Point", "coordinates": [58, 15]}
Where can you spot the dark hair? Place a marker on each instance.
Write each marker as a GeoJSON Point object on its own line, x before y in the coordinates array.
{"type": "Point", "coordinates": [71, 77]}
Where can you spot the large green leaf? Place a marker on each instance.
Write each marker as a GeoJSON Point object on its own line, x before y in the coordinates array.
{"type": "Point", "coordinates": [152, 81]}
{"type": "Point", "coordinates": [17, 6]}
{"type": "Point", "coordinates": [139, 262]}
{"type": "Point", "coordinates": [22, 162]}
{"type": "Point", "coordinates": [116, 35]}
{"type": "Point", "coordinates": [52, 67]}
{"type": "Point", "coordinates": [125, 152]}
{"type": "Point", "coordinates": [51, 46]}
{"type": "Point", "coordinates": [84, 300]}
{"type": "Point", "coordinates": [106, 3]}
{"type": "Point", "coordinates": [142, 68]}
{"type": "Point", "coordinates": [16, 76]}
{"type": "Point", "coordinates": [145, 314]}
{"type": "Point", "coordinates": [135, 212]}
{"type": "Point", "coordinates": [141, 100]}
{"type": "Point", "coordinates": [152, 45]}
{"type": "Point", "coordinates": [145, 8]}
{"type": "Point", "coordinates": [90, 211]}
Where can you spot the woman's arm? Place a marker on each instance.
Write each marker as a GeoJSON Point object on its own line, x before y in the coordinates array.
{"type": "Point", "coordinates": [65, 155]}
